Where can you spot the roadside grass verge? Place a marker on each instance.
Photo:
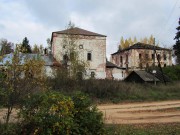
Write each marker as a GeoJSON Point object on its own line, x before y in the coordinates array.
{"type": "Point", "coordinates": [144, 129]}
{"type": "Point", "coordinates": [113, 91]}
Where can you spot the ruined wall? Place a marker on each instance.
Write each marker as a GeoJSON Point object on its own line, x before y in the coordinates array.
{"type": "Point", "coordinates": [135, 62]}
{"type": "Point", "coordinates": [85, 44]}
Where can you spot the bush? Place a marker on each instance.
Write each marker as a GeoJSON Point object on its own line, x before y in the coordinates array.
{"type": "Point", "coordinates": [53, 113]}
{"type": "Point", "coordinates": [173, 72]}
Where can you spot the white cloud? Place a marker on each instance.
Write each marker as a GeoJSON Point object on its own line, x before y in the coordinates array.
{"type": "Point", "coordinates": [38, 18]}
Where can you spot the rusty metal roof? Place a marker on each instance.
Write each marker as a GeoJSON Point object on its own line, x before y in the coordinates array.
{"type": "Point", "coordinates": [79, 31]}
{"type": "Point", "coordinates": [141, 46]}
{"type": "Point", "coordinates": [111, 65]}
{"type": "Point", "coordinates": [147, 77]}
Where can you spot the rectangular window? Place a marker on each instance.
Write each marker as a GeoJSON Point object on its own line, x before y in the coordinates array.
{"type": "Point", "coordinates": [140, 56]}
{"type": "Point", "coordinates": [92, 74]}
{"type": "Point", "coordinates": [121, 59]}
{"type": "Point", "coordinates": [127, 58]}
{"type": "Point", "coordinates": [165, 57]}
{"type": "Point", "coordinates": [153, 56]}
{"type": "Point", "coordinates": [89, 56]}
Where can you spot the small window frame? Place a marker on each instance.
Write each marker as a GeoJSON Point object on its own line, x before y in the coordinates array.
{"type": "Point", "coordinates": [81, 46]}
{"type": "Point", "coordinates": [89, 56]}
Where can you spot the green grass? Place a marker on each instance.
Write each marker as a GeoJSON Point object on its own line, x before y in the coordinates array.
{"type": "Point", "coordinates": [144, 129]}
{"type": "Point", "coordinates": [104, 91]}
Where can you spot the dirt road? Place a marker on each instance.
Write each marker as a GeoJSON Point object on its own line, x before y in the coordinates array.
{"type": "Point", "coordinates": [132, 113]}
{"type": "Point", "coordinates": [136, 113]}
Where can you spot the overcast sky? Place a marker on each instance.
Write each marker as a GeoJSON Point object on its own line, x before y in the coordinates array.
{"type": "Point", "coordinates": [37, 19]}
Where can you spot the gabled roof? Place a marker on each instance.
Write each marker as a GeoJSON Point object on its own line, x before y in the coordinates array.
{"type": "Point", "coordinates": [159, 75]}
{"type": "Point", "coordinates": [147, 77]}
{"type": "Point", "coordinates": [78, 31]}
{"type": "Point", "coordinates": [141, 46]}
{"type": "Point", "coordinates": [111, 65]}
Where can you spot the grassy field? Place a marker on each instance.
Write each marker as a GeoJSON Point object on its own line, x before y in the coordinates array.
{"type": "Point", "coordinates": [144, 129]}
{"type": "Point", "coordinates": [108, 91]}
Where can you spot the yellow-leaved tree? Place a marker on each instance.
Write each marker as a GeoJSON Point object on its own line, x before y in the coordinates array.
{"type": "Point", "coordinates": [20, 76]}
{"type": "Point", "coordinates": [125, 43]}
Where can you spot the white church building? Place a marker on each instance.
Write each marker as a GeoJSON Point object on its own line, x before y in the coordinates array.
{"type": "Point", "coordinates": [91, 48]}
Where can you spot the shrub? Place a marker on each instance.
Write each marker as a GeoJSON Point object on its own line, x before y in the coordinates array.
{"type": "Point", "coordinates": [54, 113]}
{"type": "Point", "coordinates": [87, 119]}
{"type": "Point", "coordinates": [173, 72]}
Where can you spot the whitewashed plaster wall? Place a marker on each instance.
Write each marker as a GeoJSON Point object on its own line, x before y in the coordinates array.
{"type": "Point", "coordinates": [94, 44]}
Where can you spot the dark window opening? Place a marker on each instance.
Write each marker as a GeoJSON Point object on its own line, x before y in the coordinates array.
{"type": "Point", "coordinates": [126, 58]}
{"type": "Point", "coordinates": [121, 61]}
{"type": "Point", "coordinates": [140, 56]}
{"type": "Point", "coordinates": [92, 74]}
{"type": "Point", "coordinates": [89, 56]}
{"type": "Point", "coordinates": [153, 56]}
{"type": "Point", "coordinates": [164, 65]}
{"type": "Point", "coordinates": [65, 58]}
{"type": "Point", "coordinates": [79, 75]}
{"type": "Point", "coordinates": [126, 66]}
{"type": "Point", "coordinates": [159, 57]}
{"type": "Point", "coordinates": [165, 57]}
{"type": "Point", "coordinates": [122, 73]}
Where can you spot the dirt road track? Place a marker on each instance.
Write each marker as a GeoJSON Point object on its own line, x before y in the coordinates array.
{"type": "Point", "coordinates": [137, 113]}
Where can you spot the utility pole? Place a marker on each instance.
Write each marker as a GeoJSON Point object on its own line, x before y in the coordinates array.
{"type": "Point", "coordinates": [154, 71]}
{"type": "Point", "coordinates": [158, 59]}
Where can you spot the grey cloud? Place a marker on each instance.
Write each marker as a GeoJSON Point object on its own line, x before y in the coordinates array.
{"type": "Point", "coordinates": [115, 18]}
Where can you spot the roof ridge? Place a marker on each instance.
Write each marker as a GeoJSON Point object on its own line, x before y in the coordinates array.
{"type": "Point", "coordinates": [79, 31]}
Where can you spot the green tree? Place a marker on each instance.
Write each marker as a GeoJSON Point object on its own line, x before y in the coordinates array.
{"type": "Point", "coordinates": [25, 47]}
{"type": "Point", "coordinates": [176, 47]}
{"type": "Point", "coordinates": [20, 79]}
{"type": "Point", "coordinates": [41, 48]}
{"type": "Point", "coordinates": [55, 114]}
{"type": "Point", "coordinates": [48, 40]}
{"type": "Point", "coordinates": [36, 49]}
{"type": "Point", "coordinates": [72, 62]}
{"type": "Point", "coordinates": [5, 47]}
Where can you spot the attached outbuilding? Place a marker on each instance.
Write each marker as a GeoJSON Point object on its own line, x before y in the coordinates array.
{"type": "Point", "coordinates": [115, 72]}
